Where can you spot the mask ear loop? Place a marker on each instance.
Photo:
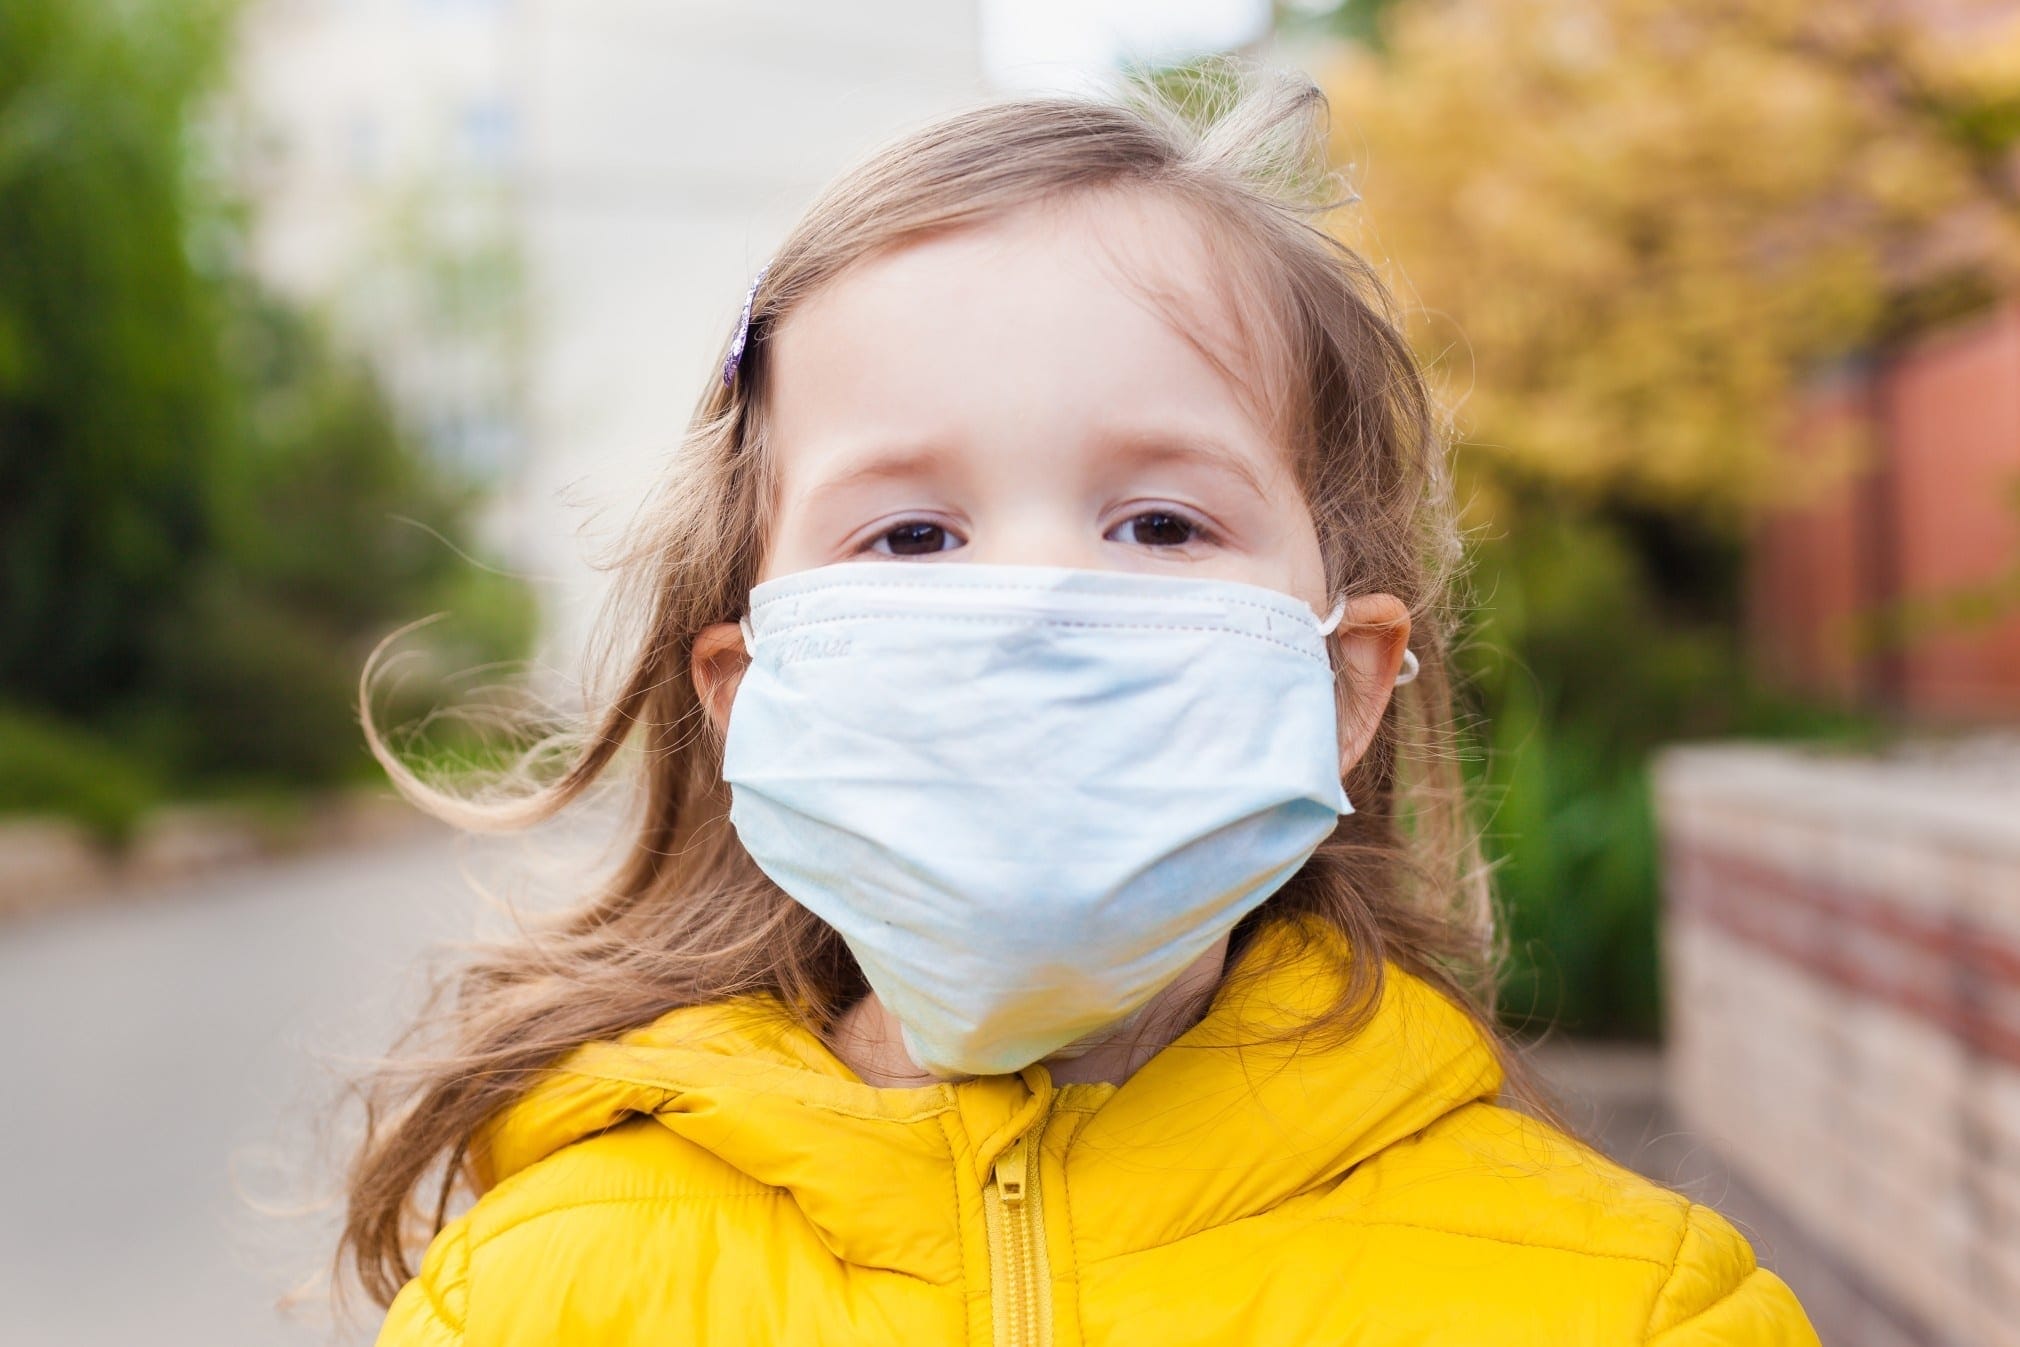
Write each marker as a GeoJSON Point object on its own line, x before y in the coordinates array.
{"type": "Point", "coordinates": [749, 636]}
{"type": "Point", "coordinates": [1331, 624]}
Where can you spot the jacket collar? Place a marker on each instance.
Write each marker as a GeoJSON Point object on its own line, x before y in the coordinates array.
{"type": "Point", "coordinates": [1212, 1129]}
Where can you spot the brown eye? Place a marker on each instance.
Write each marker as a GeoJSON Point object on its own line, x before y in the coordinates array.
{"type": "Point", "coordinates": [915, 538]}
{"type": "Point", "coordinates": [1160, 528]}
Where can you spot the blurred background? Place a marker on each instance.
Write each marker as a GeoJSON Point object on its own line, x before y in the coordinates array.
{"type": "Point", "coordinates": [321, 316]}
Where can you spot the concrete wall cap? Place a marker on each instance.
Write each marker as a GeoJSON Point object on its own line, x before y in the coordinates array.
{"type": "Point", "coordinates": [1962, 792]}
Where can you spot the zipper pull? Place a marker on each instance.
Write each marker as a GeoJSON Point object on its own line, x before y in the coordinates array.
{"type": "Point", "coordinates": [1010, 1172]}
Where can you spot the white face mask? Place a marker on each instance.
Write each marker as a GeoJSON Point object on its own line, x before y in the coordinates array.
{"type": "Point", "coordinates": [1029, 797]}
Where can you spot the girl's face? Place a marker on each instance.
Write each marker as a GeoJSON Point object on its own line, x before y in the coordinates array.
{"type": "Point", "coordinates": [1012, 393]}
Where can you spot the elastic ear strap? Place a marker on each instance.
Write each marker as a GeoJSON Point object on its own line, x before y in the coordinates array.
{"type": "Point", "coordinates": [749, 636]}
{"type": "Point", "coordinates": [1332, 624]}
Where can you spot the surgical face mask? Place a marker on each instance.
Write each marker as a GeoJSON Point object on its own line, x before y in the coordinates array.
{"type": "Point", "coordinates": [1028, 797]}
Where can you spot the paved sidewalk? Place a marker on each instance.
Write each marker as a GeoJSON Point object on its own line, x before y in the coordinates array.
{"type": "Point", "coordinates": [174, 1054]}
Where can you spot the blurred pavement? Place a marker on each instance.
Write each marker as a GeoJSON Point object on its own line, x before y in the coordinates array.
{"type": "Point", "coordinates": [169, 1064]}
{"type": "Point", "coordinates": [169, 1050]}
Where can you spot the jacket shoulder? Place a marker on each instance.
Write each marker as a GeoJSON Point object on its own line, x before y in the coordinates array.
{"type": "Point", "coordinates": [612, 1186]}
{"type": "Point", "coordinates": [431, 1309]}
{"type": "Point", "coordinates": [1717, 1294]}
{"type": "Point", "coordinates": [636, 1161]}
{"type": "Point", "coordinates": [1490, 1173]}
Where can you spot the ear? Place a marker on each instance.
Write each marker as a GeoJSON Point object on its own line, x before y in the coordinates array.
{"type": "Point", "coordinates": [1369, 643]}
{"type": "Point", "coordinates": [717, 665]}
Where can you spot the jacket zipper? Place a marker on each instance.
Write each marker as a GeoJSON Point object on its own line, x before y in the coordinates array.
{"type": "Point", "coordinates": [1020, 1279]}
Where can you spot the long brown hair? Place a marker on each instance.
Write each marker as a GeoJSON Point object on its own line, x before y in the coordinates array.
{"type": "Point", "coordinates": [687, 917]}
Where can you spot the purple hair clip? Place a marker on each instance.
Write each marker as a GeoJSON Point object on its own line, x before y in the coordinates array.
{"type": "Point", "coordinates": [736, 347]}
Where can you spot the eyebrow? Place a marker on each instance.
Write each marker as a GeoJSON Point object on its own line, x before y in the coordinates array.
{"type": "Point", "coordinates": [1153, 446]}
{"type": "Point", "coordinates": [1138, 446]}
{"type": "Point", "coordinates": [892, 464]}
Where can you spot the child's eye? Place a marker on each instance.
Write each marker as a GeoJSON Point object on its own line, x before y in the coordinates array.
{"type": "Point", "coordinates": [914, 537]}
{"type": "Point", "coordinates": [1158, 528]}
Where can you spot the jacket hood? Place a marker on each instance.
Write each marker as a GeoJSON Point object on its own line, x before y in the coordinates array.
{"type": "Point", "coordinates": [1212, 1129]}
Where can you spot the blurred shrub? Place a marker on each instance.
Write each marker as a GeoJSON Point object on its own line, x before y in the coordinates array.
{"type": "Point", "coordinates": [327, 537]}
{"type": "Point", "coordinates": [115, 397]}
{"type": "Point", "coordinates": [49, 767]}
{"type": "Point", "coordinates": [208, 512]}
{"type": "Point", "coordinates": [1586, 657]}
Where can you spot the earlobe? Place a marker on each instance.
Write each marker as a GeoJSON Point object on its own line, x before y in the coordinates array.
{"type": "Point", "coordinates": [717, 665]}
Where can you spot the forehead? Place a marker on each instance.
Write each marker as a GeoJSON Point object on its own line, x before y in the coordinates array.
{"type": "Point", "coordinates": [1115, 292]}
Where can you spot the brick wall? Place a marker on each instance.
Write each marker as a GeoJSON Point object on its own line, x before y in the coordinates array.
{"type": "Point", "coordinates": [1904, 481]}
{"type": "Point", "coordinates": [1842, 948]}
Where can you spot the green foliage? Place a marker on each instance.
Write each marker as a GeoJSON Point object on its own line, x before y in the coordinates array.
{"type": "Point", "coordinates": [1598, 638]}
{"type": "Point", "coordinates": [208, 513]}
{"type": "Point", "coordinates": [47, 766]}
{"type": "Point", "coordinates": [114, 397]}
{"type": "Point", "coordinates": [1358, 21]}
{"type": "Point", "coordinates": [329, 535]}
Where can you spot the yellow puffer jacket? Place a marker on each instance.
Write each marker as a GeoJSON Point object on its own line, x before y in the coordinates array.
{"type": "Point", "coordinates": [720, 1179]}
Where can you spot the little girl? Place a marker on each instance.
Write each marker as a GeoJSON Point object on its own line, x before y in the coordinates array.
{"type": "Point", "coordinates": [1052, 916]}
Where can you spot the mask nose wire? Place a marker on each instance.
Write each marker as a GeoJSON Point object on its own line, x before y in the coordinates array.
{"type": "Point", "coordinates": [1327, 627]}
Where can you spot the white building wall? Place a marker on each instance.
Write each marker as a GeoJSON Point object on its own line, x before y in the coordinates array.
{"type": "Point", "coordinates": [640, 158]}
{"type": "Point", "coordinates": [383, 141]}
{"type": "Point", "coordinates": [670, 147]}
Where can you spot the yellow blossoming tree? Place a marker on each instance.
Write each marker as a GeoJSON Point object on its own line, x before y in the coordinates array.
{"type": "Point", "coordinates": [1628, 227]}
